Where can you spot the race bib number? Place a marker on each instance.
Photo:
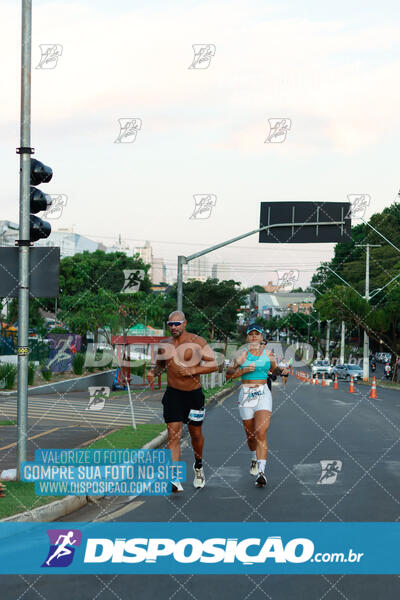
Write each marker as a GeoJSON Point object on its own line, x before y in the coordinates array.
{"type": "Point", "coordinates": [197, 415]}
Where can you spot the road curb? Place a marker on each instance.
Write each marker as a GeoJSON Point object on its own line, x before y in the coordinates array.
{"type": "Point", "coordinates": [51, 511]}
{"type": "Point", "coordinates": [65, 506]}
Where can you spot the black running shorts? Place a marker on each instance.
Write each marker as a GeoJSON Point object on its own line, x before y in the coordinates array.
{"type": "Point", "coordinates": [187, 407]}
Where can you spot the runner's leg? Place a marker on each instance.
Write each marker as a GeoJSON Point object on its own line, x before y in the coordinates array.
{"type": "Point", "coordinates": [262, 420]}
{"type": "Point", "coordinates": [248, 425]}
{"type": "Point", "coordinates": [174, 437]}
{"type": "Point", "coordinates": [197, 438]}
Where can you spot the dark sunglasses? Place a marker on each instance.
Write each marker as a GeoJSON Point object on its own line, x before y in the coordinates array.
{"type": "Point", "coordinates": [174, 323]}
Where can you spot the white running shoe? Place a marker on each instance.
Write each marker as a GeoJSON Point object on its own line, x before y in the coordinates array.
{"type": "Point", "coordinates": [176, 486]}
{"type": "Point", "coordinates": [199, 480]}
{"type": "Point", "coordinates": [261, 480]}
{"type": "Point", "coordinates": [253, 468]}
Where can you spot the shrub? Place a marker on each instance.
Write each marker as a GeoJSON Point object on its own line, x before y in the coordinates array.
{"type": "Point", "coordinates": [31, 372]}
{"type": "Point", "coordinates": [78, 362]}
{"type": "Point", "coordinates": [46, 373]}
{"type": "Point", "coordinates": [8, 373]}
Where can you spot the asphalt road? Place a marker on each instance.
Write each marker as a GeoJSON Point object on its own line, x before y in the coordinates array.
{"type": "Point", "coordinates": [358, 437]}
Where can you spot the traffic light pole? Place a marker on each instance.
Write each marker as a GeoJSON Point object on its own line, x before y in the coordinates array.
{"type": "Point", "coordinates": [24, 232]}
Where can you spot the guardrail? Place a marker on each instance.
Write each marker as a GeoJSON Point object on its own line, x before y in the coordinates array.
{"type": "Point", "coordinates": [211, 380]}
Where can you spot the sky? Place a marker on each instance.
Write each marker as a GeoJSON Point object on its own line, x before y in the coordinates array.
{"type": "Point", "coordinates": [331, 68]}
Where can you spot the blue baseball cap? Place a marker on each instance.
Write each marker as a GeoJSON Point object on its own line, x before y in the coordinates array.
{"type": "Point", "coordinates": [254, 328]}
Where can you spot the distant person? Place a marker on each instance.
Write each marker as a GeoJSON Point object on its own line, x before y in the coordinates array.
{"type": "Point", "coordinates": [183, 400]}
{"type": "Point", "coordinates": [284, 366]}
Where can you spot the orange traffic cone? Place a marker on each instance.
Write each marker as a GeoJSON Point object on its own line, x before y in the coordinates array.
{"type": "Point", "coordinates": [323, 384]}
{"type": "Point", "coordinates": [373, 393]}
{"type": "Point", "coordinates": [335, 383]}
{"type": "Point", "coordinates": [351, 388]}
{"type": "Point", "coordinates": [316, 382]}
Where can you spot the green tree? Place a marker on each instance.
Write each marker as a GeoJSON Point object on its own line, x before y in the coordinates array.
{"type": "Point", "coordinates": [210, 307]}
{"type": "Point", "coordinates": [95, 270]}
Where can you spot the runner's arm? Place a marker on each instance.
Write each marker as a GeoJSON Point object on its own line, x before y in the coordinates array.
{"type": "Point", "coordinates": [157, 369]}
{"type": "Point", "coordinates": [207, 356]}
{"type": "Point", "coordinates": [235, 369]}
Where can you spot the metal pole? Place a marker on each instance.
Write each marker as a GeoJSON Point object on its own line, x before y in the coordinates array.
{"type": "Point", "coordinates": [366, 338]}
{"type": "Point", "coordinates": [181, 261]}
{"type": "Point", "coordinates": [328, 333]}
{"type": "Point", "coordinates": [24, 234]}
{"type": "Point", "coordinates": [342, 343]}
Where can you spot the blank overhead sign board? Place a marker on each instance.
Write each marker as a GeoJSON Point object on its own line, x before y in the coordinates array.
{"type": "Point", "coordinates": [44, 272]}
{"type": "Point", "coordinates": [305, 222]}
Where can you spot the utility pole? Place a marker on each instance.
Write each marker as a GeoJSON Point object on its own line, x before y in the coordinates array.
{"type": "Point", "coordinates": [24, 151]}
{"type": "Point", "coordinates": [366, 338]}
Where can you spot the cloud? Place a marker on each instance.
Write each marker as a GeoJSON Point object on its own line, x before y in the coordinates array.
{"type": "Point", "coordinates": [135, 64]}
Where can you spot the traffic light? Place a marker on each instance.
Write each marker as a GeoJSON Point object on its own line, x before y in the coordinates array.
{"type": "Point", "coordinates": [39, 201]}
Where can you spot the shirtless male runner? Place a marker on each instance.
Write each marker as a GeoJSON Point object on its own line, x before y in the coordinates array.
{"type": "Point", "coordinates": [184, 356]}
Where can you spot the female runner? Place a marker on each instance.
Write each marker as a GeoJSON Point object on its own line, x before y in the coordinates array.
{"type": "Point", "coordinates": [253, 364]}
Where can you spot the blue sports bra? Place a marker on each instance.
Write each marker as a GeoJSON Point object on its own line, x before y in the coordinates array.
{"type": "Point", "coordinates": [262, 364]}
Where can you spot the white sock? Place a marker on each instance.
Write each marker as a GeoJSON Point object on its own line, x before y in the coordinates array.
{"type": "Point", "coordinates": [253, 455]}
{"type": "Point", "coordinates": [261, 465]}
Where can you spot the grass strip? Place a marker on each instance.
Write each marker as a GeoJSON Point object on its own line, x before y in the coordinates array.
{"type": "Point", "coordinates": [20, 496]}
{"type": "Point", "coordinates": [212, 391]}
{"type": "Point", "coordinates": [126, 437]}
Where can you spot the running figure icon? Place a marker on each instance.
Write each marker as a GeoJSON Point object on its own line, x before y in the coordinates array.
{"type": "Point", "coordinates": [62, 550]}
